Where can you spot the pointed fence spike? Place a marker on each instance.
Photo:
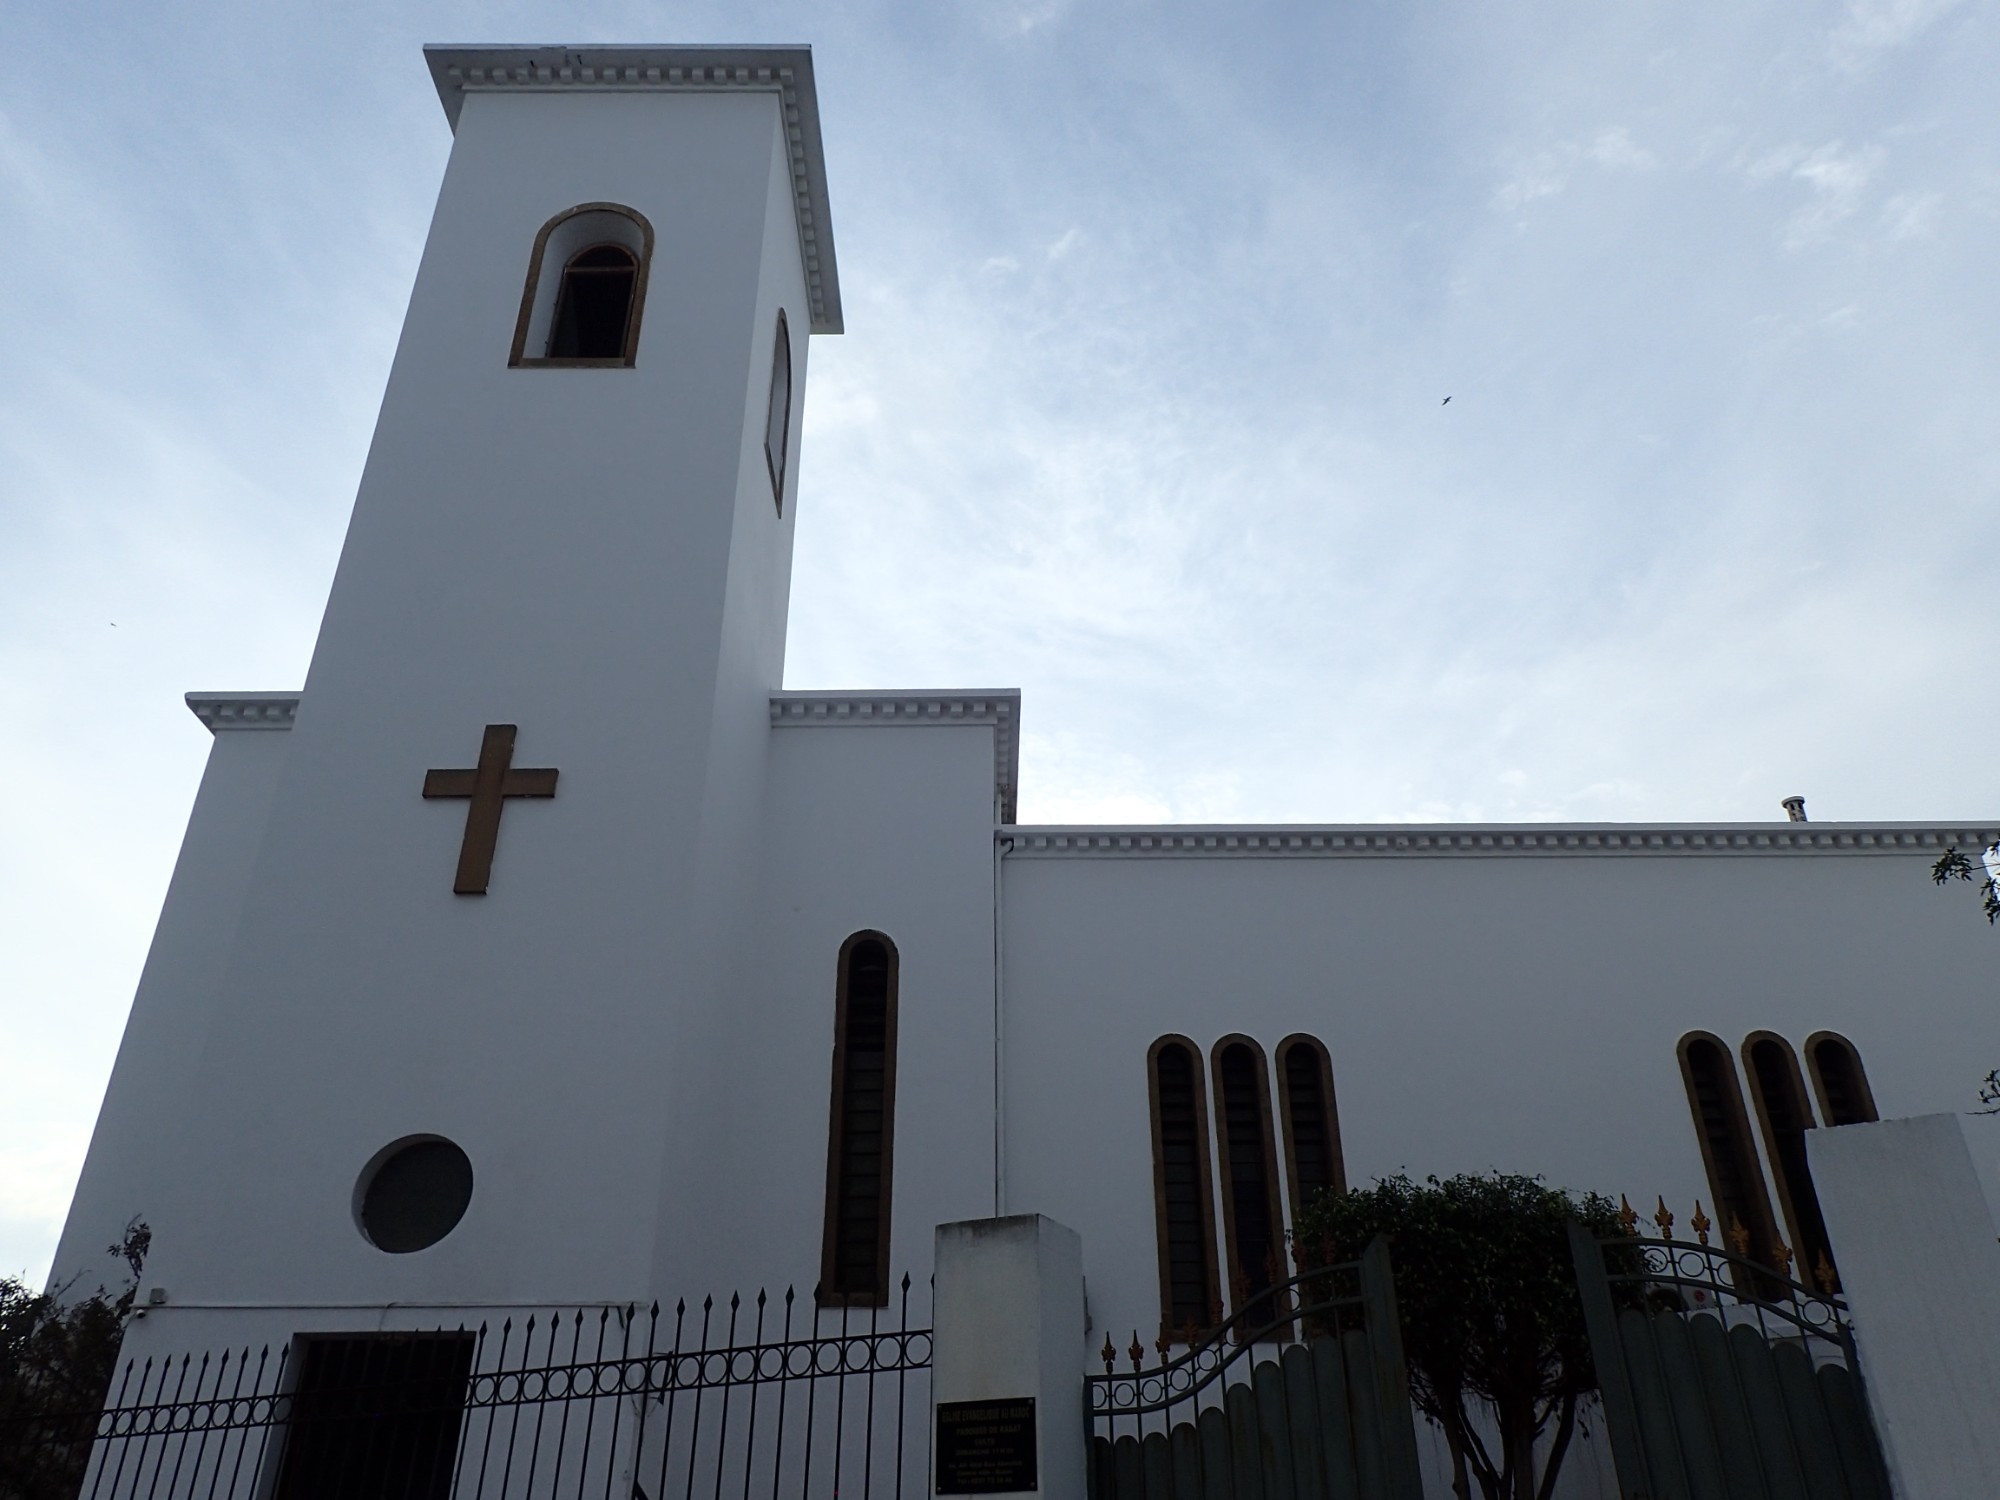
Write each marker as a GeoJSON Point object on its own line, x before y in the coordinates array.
{"type": "Point", "coordinates": [681, 1307]}
{"type": "Point", "coordinates": [906, 1281]}
{"type": "Point", "coordinates": [761, 1298]}
{"type": "Point", "coordinates": [735, 1301]}
{"type": "Point", "coordinates": [707, 1303]}
{"type": "Point", "coordinates": [790, 1293]}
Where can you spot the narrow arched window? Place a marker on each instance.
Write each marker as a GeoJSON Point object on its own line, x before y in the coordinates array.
{"type": "Point", "coordinates": [1784, 1116]}
{"type": "Point", "coordinates": [854, 1259]}
{"type": "Point", "coordinates": [594, 304]}
{"type": "Point", "coordinates": [1311, 1123]}
{"type": "Point", "coordinates": [586, 289]}
{"type": "Point", "coordinates": [1252, 1228]}
{"type": "Point", "coordinates": [778, 415]}
{"type": "Point", "coordinates": [1183, 1207]}
{"type": "Point", "coordinates": [1735, 1180]}
{"type": "Point", "coordinates": [1839, 1080]}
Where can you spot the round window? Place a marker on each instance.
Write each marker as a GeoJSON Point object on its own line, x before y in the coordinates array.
{"type": "Point", "coordinates": [413, 1194]}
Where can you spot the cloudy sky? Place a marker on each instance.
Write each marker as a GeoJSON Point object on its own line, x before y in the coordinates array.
{"type": "Point", "coordinates": [1153, 308]}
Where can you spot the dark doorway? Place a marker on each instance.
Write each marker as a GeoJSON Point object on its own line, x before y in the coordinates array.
{"type": "Point", "coordinates": [376, 1415]}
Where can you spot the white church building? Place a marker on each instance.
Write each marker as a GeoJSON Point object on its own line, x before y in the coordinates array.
{"type": "Point", "coordinates": [542, 948]}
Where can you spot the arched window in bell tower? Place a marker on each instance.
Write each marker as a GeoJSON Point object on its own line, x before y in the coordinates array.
{"type": "Point", "coordinates": [594, 304]}
{"type": "Point", "coordinates": [586, 290]}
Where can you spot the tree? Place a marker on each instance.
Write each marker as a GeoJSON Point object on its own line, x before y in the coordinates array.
{"type": "Point", "coordinates": [57, 1354]}
{"type": "Point", "coordinates": [1952, 865]}
{"type": "Point", "coordinates": [1487, 1296]}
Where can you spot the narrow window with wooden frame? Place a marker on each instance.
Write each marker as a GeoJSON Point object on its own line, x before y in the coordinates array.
{"type": "Point", "coordinates": [586, 290]}
{"type": "Point", "coordinates": [854, 1258]}
{"type": "Point", "coordinates": [1253, 1228]}
{"type": "Point", "coordinates": [778, 413]}
{"type": "Point", "coordinates": [1839, 1079]}
{"type": "Point", "coordinates": [1183, 1201]}
{"type": "Point", "coordinates": [1311, 1121]}
{"type": "Point", "coordinates": [1784, 1116]}
{"type": "Point", "coordinates": [1735, 1178]}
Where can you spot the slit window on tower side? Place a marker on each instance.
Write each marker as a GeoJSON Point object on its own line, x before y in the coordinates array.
{"type": "Point", "coordinates": [1190, 1297]}
{"type": "Point", "coordinates": [1784, 1115]}
{"type": "Point", "coordinates": [778, 414]}
{"type": "Point", "coordinates": [1735, 1179]}
{"type": "Point", "coordinates": [1253, 1229]}
{"type": "Point", "coordinates": [854, 1262]}
{"type": "Point", "coordinates": [1839, 1079]}
{"type": "Point", "coordinates": [1311, 1122]}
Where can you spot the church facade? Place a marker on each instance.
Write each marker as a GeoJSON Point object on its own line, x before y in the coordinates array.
{"type": "Point", "coordinates": [542, 949]}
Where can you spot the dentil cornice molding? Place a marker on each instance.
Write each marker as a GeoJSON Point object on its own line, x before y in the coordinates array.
{"type": "Point", "coordinates": [220, 711]}
{"type": "Point", "coordinates": [784, 71]}
{"type": "Point", "coordinates": [1000, 708]}
{"type": "Point", "coordinates": [1491, 840]}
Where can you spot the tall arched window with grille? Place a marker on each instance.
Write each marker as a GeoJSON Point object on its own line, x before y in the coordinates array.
{"type": "Point", "coordinates": [1183, 1205]}
{"type": "Point", "coordinates": [854, 1259]}
{"type": "Point", "coordinates": [1735, 1179]}
{"type": "Point", "coordinates": [1784, 1116]}
{"type": "Point", "coordinates": [1311, 1122]}
{"type": "Point", "coordinates": [1839, 1080]}
{"type": "Point", "coordinates": [1253, 1228]}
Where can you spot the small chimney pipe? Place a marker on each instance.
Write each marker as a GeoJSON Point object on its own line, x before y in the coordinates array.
{"type": "Point", "coordinates": [1795, 809]}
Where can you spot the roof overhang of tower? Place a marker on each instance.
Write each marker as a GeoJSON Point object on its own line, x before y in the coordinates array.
{"type": "Point", "coordinates": [783, 71]}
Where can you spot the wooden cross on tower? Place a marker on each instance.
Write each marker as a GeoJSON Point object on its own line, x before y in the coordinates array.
{"type": "Point", "coordinates": [487, 785]}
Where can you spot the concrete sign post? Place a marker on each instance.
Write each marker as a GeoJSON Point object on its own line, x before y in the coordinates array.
{"type": "Point", "coordinates": [1007, 1366]}
{"type": "Point", "coordinates": [1913, 1236]}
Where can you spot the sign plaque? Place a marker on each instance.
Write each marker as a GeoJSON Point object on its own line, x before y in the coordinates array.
{"type": "Point", "coordinates": [986, 1447]}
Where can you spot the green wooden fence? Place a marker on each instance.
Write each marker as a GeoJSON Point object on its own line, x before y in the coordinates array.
{"type": "Point", "coordinates": [1312, 1403]}
{"type": "Point", "coordinates": [1723, 1380]}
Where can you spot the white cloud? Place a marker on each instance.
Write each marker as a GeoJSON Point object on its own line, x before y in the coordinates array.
{"type": "Point", "coordinates": [1548, 172]}
{"type": "Point", "coordinates": [1912, 216]}
{"type": "Point", "coordinates": [1872, 27]}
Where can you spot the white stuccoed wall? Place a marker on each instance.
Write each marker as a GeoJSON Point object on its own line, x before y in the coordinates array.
{"type": "Point", "coordinates": [137, 1152]}
{"type": "Point", "coordinates": [594, 555]}
{"type": "Point", "coordinates": [1483, 1010]}
{"type": "Point", "coordinates": [1921, 1271]}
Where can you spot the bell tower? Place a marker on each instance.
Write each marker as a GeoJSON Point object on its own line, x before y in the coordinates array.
{"type": "Point", "coordinates": [511, 849]}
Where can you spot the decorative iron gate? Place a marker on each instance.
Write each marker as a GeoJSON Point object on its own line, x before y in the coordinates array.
{"type": "Point", "coordinates": [1324, 1414]}
{"type": "Point", "coordinates": [1723, 1379]}
{"type": "Point", "coordinates": [744, 1400]}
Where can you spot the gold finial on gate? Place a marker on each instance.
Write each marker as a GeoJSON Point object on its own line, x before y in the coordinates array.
{"type": "Point", "coordinates": [1664, 1219]}
{"type": "Point", "coordinates": [1823, 1273]}
{"type": "Point", "coordinates": [1782, 1254]}
{"type": "Point", "coordinates": [1109, 1354]}
{"type": "Point", "coordinates": [1137, 1353]}
{"type": "Point", "coordinates": [1628, 1217]}
{"type": "Point", "coordinates": [1700, 1223]}
{"type": "Point", "coordinates": [1164, 1344]}
{"type": "Point", "coordinates": [1738, 1236]}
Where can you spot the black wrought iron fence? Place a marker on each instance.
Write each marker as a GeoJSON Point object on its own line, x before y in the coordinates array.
{"type": "Point", "coordinates": [758, 1399]}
